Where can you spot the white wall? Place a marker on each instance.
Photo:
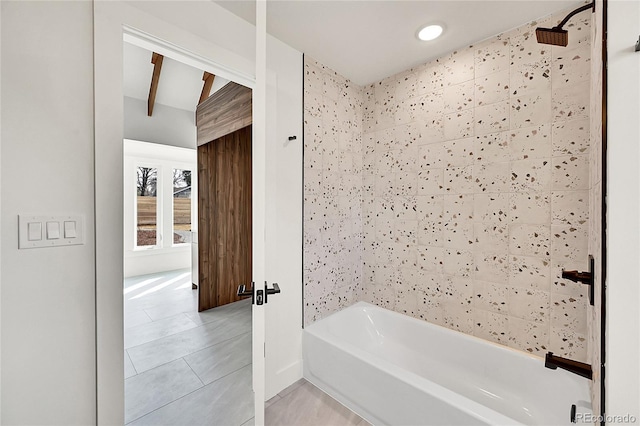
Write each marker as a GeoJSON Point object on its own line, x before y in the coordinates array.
{"type": "Point", "coordinates": [167, 125]}
{"type": "Point", "coordinates": [48, 331]}
{"type": "Point", "coordinates": [48, 328]}
{"type": "Point", "coordinates": [167, 256]}
{"type": "Point", "coordinates": [623, 186]}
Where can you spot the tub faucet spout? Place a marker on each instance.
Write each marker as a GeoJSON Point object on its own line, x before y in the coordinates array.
{"type": "Point", "coordinates": [580, 368]}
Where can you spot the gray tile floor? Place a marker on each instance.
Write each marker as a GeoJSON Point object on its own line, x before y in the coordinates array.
{"type": "Point", "coordinates": [303, 404]}
{"type": "Point", "coordinates": [181, 366]}
{"type": "Point", "coordinates": [188, 368]}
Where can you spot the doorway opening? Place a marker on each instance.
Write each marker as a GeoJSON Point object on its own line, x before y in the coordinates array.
{"type": "Point", "coordinates": [184, 353]}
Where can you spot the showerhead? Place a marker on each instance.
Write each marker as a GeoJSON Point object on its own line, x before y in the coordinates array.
{"type": "Point", "coordinates": [555, 36]}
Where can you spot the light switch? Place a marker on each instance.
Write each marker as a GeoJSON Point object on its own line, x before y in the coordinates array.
{"type": "Point", "coordinates": [70, 229]}
{"type": "Point", "coordinates": [40, 231]}
{"type": "Point", "coordinates": [35, 231]}
{"type": "Point", "coordinates": [53, 230]}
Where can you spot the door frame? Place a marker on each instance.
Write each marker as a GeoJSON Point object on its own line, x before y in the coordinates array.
{"type": "Point", "coordinates": [115, 23]}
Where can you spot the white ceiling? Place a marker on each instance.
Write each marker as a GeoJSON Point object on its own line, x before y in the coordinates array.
{"type": "Point", "coordinates": [368, 40]}
{"type": "Point", "coordinates": [364, 40]}
{"type": "Point", "coordinates": [179, 85]}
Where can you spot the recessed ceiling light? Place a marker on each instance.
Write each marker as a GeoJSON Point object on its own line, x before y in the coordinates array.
{"type": "Point", "coordinates": [430, 32]}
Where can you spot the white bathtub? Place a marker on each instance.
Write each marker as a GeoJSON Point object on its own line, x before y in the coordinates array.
{"type": "Point", "coordinates": [392, 369]}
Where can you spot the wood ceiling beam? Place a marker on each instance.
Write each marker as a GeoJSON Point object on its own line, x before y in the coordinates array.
{"type": "Point", "coordinates": [206, 88]}
{"type": "Point", "coordinates": [156, 60]}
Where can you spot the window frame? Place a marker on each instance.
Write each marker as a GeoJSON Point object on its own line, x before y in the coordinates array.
{"type": "Point", "coordinates": [165, 159]}
{"type": "Point", "coordinates": [159, 195]}
{"type": "Point", "coordinates": [173, 221]}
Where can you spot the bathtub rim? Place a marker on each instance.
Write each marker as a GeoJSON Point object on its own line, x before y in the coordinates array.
{"type": "Point", "coordinates": [469, 337]}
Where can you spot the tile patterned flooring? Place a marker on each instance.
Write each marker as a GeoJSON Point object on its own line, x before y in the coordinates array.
{"type": "Point", "coordinates": [188, 368]}
{"type": "Point", "coordinates": [304, 404]}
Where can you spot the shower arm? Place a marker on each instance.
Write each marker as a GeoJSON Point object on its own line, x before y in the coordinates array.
{"type": "Point", "coordinates": [591, 5]}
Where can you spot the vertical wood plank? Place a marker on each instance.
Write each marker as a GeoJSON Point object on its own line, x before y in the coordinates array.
{"type": "Point", "coordinates": [224, 218]}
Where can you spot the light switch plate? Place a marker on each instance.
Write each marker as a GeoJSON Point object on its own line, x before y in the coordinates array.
{"type": "Point", "coordinates": [46, 221]}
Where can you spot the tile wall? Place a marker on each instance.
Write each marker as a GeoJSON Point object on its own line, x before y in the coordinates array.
{"type": "Point", "coordinates": [332, 191]}
{"type": "Point", "coordinates": [474, 189]}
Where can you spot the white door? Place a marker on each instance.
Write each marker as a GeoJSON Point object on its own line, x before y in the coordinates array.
{"type": "Point", "coordinates": [259, 209]}
{"type": "Point", "coordinates": [277, 222]}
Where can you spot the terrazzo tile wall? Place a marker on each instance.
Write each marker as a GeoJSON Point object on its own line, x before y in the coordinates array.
{"type": "Point", "coordinates": [460, 194]}
{"type": "Point", "coordinates": [595, 202]}
{"type": "Point", "coordinates": [332, 191]}
{"type": "Point", "coordinates": [476, 190]}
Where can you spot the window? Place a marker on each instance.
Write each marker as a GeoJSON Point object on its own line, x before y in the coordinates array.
{"type": "Point", "coordinates": [160, 202]}
{"type": "Point", "coordinates": [181, 206]}
{"type": "Point", "coordinates": [147, 206]}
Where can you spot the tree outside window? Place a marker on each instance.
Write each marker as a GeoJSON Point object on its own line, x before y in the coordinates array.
{"type": "Point", "coordinates": [147, 203]}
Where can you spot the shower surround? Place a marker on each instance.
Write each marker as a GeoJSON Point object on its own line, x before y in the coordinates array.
{"type": "Point", "coordinates": [467, 190]}
{"type": "Point", "coordinates": [332, 192]}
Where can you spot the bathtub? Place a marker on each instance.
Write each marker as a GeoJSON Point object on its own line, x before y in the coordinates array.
{"type": "Point", "coordinates": [392, 369]}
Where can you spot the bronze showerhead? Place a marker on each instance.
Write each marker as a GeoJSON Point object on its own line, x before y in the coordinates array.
{"type": "Point", "coordinates": [556, 36]}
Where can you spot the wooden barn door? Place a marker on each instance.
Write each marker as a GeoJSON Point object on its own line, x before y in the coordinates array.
{"type": "Point", "coordinates": [224, 198]}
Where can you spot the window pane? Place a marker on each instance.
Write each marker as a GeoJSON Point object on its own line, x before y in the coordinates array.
{"type": "Point", "coordinates": [181, 206]}
{"type": "Point", "coordinates": [147, 223]}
